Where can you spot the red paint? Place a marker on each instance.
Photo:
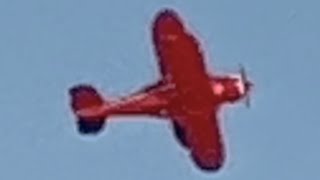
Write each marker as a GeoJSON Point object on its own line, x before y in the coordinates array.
{"type": "Point", "coordinates": [185, 94]}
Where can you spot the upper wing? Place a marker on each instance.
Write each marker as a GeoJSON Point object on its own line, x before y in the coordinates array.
{"type": "Point", "coordinates": [178, 50]}
{"type": "Point", "coordinates": [202, 136]}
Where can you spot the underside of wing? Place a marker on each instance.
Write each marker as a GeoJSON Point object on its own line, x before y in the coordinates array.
{"type": "Point", "coordinates": [201, 135]}
{"type": "Point", "coordinates": [180, 134]}
{"type": "Point", "coordinates": [178, 51]}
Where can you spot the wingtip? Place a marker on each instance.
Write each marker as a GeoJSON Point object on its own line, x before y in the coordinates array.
{"type": "Point", "coordinates": [211, 168]}
{"type": "Point", "coordinates": [208, 162]}
{"type": "Point", "coordinates": [167, 12]}
{"type": "Point", "coordinates": [167, 15]}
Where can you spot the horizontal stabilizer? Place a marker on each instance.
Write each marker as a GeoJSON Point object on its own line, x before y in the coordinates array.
{"type": "Point", "coordinates": [85, 97]}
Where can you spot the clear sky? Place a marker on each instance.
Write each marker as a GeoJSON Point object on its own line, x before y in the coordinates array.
{"type": "Point", "coordinates": [48, 46]}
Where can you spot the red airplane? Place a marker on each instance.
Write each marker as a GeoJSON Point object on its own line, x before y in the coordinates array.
{"type": "Point", "coordinates": [186, 94]}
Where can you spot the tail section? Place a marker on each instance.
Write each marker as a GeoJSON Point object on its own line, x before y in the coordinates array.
{"type": "Point", "coordinates": [85, 97]}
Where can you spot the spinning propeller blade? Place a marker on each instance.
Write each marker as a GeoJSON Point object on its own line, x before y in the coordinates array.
{"type": "Point", "coordinates": [247, 85]}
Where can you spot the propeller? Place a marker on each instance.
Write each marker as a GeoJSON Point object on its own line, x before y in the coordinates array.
{"type": "Point", "coordinates": [247, 85]}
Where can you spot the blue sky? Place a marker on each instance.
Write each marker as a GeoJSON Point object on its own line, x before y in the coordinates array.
{"type": "Point", "coordinates": [48, 46]}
